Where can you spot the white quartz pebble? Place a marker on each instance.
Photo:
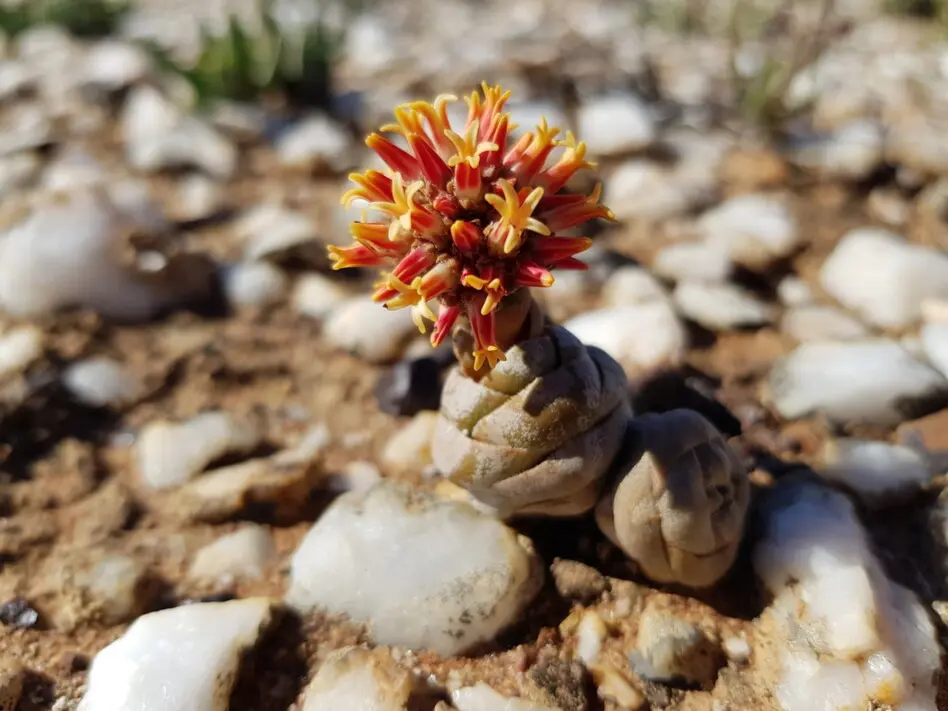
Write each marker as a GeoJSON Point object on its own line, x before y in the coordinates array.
{"type": "Point", "coordinates": [883, 278]}
{"type": "Point", "coordinates": [872, 381]}
{"type": "Point", "coordinates": [170, 453]}
{"type": "Point", "coordinates": [180, 659]}
{"type": "Point", "coordinates": [418, 571]}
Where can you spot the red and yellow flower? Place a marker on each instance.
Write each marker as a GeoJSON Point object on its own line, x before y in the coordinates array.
{"type": "Point", "coordinates": [470, 220]}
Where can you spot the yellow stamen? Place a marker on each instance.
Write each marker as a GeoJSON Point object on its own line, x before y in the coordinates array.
{"type": "Point", "coordinates": [515, 217]}
{"type": "Point", "coordinates": [467, 147]}
{"type": "Point", "coordinates": [492, 355]}
{"type": "Point", "coordinates": [407, 295]}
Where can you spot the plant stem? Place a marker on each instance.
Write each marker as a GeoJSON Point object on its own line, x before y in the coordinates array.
{"type": "Point", "coordinates": [518, 318]}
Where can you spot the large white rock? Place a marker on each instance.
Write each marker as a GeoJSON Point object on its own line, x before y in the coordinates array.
{"type": "Point", "coordinates": [171, 453]}
{"type": "Point", "coordinates": [756, 230]}
{"type": "Point", "coordinates": [181, 659]}
{"type": "Point", "coordinates": [67, 253]}
{"type": "Point", "coordinates": [642, 337]}
{"type": "Point", "coordinates": [883, 278]}
{"type": "Point", "coordinates": [363, 327]}
{"type": "Point", "coordinates": [879, 473]}
{"type": "Point", "coordinates": [721, 307]}
{"type": "Point", "coordinates": [419, 571]}
{"type": "Point", "coordinates": [872, 381]}
{"type": "Point", "coordinates": [357, 679]}
{"type": "Point", "coordinates": [854, 638]}
{"type": "Point", "coordinates": [612, 125]}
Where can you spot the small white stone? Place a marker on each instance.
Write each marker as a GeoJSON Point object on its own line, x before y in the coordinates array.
{"type": "Point", "coordinates": [642, 338]}
{"type": "Point", "coordinates": [357, 476]}
{"type": "Point", "coordinates": [884, 279]}
{"type": "Point", "coordinates": [147, 112]}
{"type": "Point", "coordinates": [101, 382]}
{"type": "Point", "coordinates": [755, 230]}
{"type": "Point", "coordinates": [590, 634]}
{"type": "Point", "coordinates": [881, 474]}
{"type": "Point", "coordinates": [25, 127]}
{"type": "Point", "coordinates": [197, 198]}
{"type": "Point", "coordinates": [171, 453]}
{"type": "Point", "coordinates": [19, 347]}
{"type": "Point", "coordinates": [632, 285]}
{"type": "Point", "coordinates": [66, 254]}
{"type": "Point", "coordinates": [853, 152]}
{"type": "Point", "coordinates": [420, 572]}
{"type": "Point", "coordinates": [241, 121]}
{"type": "Point", "coordinates": [73, 169]}
{"type": "Point", "coordinates": [369, 44]}
{"type": "Point", "coordinates": [316, 143]}
{"type": "Point", "coordinates": [15, 78]}
{"type": "Point", "coordinates": [918, 144]}
{"type": "Point", "coordinates": [721, 307]}
{"type": "Point", "coordinates": [245, 553]}
{"type": "Point", "coordinates": [641, 189]}
{"type": "Point", "coordinates": [408, 451]}
{"type": "Point", "coordinates": [178, 659]}
{"type": "Point", "coordinates": [356, 679]}
{"type": "Point", "coordinates": [271, 231]}
{"type": "Point", "coordinates": [854, 637]}
{"type": "Point", "coordinates": [888, 205]}
{"type": "Point", "coordinates": [481, 697]}
{"type": "Point", "coordinates": [316, 296]}
{"type": "Point", "coordinates": [191, 143]}
{"type": "Point", "coordinates": [793, 291]}
{"type": "Point", "coordinates": [254, 284]}
{"type": "Point", "coordinates": [737, 649]}
{"type": "Point", "coordinates": [871, 381]}
{"type": "Point", "coordinates": [363, 327]}
{"type": "Point", "coordinates": [613, 125]}
{"type": "Point", "coordinates": [821, 323]}
{"type": "Point", "coordinates": [112, 65]}
{"type": "Point", "coordinates": [694, 261]}
{"type": "Point", "coordinates": [934, 338]}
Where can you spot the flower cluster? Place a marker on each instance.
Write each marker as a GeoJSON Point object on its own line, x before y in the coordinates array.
{"type": "Point", "coordinates": [470, 219]}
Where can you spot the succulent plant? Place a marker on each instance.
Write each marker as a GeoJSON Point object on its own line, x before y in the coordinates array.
{"type": "Point", "coordinates": [470, 220]}
{"type": "Point", "coordinates": [539, 432]}
{"type": "Point", "coordinates": [83, 18]}
{"type": "Point", "coordinates": [678, 510]}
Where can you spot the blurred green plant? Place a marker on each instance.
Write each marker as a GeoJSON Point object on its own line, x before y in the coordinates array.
{"type": "Point", "coordinates": [762, 95]}
{"type": "Point", "coordinates": [82, 18]}
{"type": "Point", "coordinates": [246, 65]}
